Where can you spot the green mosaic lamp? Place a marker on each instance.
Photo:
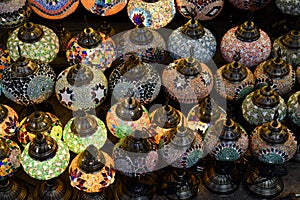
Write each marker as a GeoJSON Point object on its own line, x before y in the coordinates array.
{"type": "Point", "coordinates": [45, 159]}
{"type": "Point", "coordinates": [83, 130]}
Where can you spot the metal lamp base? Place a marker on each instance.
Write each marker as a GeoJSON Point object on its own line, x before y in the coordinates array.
{"type": "Point", "coordinates": [105, 194]}
{"type": "Point", "coordinates": [12, 190]}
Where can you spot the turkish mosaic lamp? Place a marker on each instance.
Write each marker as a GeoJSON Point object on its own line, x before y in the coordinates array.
{"type": "Point", "coordinates": [288, 7]}
{"type": "Point", "coordinates": [135, 78]}
{"type": "Point", "coordinates": [293, 106]}
{"type": "Point", "coordinates": [81, 87]}
{"type": "Point", "coordinates": [187, 80]}
{"type": "Point", "coordinates": [260, 106]}
{"type": "Point", "coordinates": [206, 10]}
{"type": "Point", "coordinates": [39, 122]}
{"type": "Point", "coordinates": [279, 71]}
{"type": "Point", "coordinates": [104, 7]}
{"type": "Point", "coordinates": [92, 47]}
{"type": "Point", "coordinates": [250, 5]}
{"type": "Point", "coordinates": [126, 116]}
{"type": "Point", "coordinates": [234, 81]}
{"type": "Point", "coordinates": [53, 9]}
{"type": "Point", "coordinates": [154, 13]}
{"type": "Point", "coordinates": [289, 44]}
{"type": "Point", "coordinates": [5, 61]}
{"type": "Point", "coordinates": [14, 13]}
{"type": "Point", "coordinates": [37, 41]}
{"type": "Point", "coordinates": [192, 34]}
{"type": "Point", "coordinates": [91, 172]}
{"type": "Point", "coordinates": [9, 122]}
{"type": "Point", "coordinates": [298, 74]}
{"type": "Point", "coordinates": [253, 43]}
{"type": "Point", "coordinates": [83, 130]}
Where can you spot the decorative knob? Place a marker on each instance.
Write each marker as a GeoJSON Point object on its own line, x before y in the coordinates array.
{"type": "Point", "coordinates": [88, 38]}
{"type": "Point", "coordinates": [291, 39]}
{"type": "Point", "coordinates": [84, 124]}
{"type": "Point", "coordinates": [79, 75]}
{"type": "Point", "coordinates": [230, 130]}
{"type": "Point", "coordinates": [247, 32]}
{"type": "Point", "coordinates": [129, 110]}
{"type": "Point", "coordinates": [235, 72]}
{"type": "Point", "coordinates": [266, 97]}
{"type": "Point", "coordinates": [133, 68]}
{"type": "Point", "coordinates": [208, 110]}
{"type": "Point", "coordinates": [193, 29]}
{"type": "Point", "coordinates": [30, 32]}
{"type": "Point", "coordinates": [138, 142]}
{"type": "Point", "coordinates": [91, 160]}
{"type": "Point", "coordinates": [106, 28]}
{"type": "Point", "coordinates": [184, 136]}
{"type": "Point", "coordinates": [190, 66]}
{"type": "Point", "coordinates": [277, 67]}
{"type": "Point", "coordinates": [141, 36]}
{"type": "Point", "coordinates": [166, 117]}
{"type": "Point", "coordinates": [3, 113]}
{"type": "Point", "coordinates": [38, 122]}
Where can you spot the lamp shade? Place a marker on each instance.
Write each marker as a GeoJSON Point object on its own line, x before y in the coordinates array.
{"type": "Point", "coordinates": [53, 9]}
{"type": "Point", "coordinates": [37, 42]}
{"type": "Point", "coordinates": [92, 170]}
{"type": "Point", "coordinates": [288, 7]}
{"type": "Point", "coordinates": [5, 60]}
{"type": "Point", "coordinates": [151, 13]}
{"type": "Point", "coordinates": [9, 121]}
{"type": "Point", "coordinates": [45, 158]}
{"type": "Point", "coordinates": [14, 13]}
{"type": "Point", "coordinates": [80, 87]}
{"type": "Point", "coordinates": [28, 81]}
{"type": "Point", "coordinates": [84, 130]}
{"type": "Point", "coordinates": [39, 122]}
{"type": "Point", "coordinates": [293, 106]}
{"type": "Point", "coordinates": [253, 43]}
{"type": "Point", "coordinates": [135, 78]}
{"type": "Point", "coordinates": [126, 116]}
{"type": "Point", "coordinates": [251, 5]}
{"type": "Point", "coordinates": [92, 48]}
{"type": "Point", "coordinates": [104, 7]}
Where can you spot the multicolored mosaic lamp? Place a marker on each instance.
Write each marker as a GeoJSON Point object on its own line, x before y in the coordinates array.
{"type": "Point", "coordinates": [83, 130]}
{"type": "Point", "coordinates": [10, 155]}
{"type": "Point", "coordinates": [250, 5]}
{"type": "Point", "coordinates": [298, 74]}
{"type": "Point", "coordinates": [9, 122]}
{"type": "Point", "coordinates": [260, 106]}
{"type": "Point", "coordinates": [92, 171]}
{"type": "Point", "coordinates": [224, 177]}
{"type": "Point", "coordinates": [290, 47]}
{"type": "Point", "coordinates": [234, 81]}
{"type": "Point", "coordinates": [187, 80]}
{"type": "Point", "coordinates": [272, 143]}
{"type": "Point", "coordinates": [291, 7]}
{"type": "Point", "coordinates": [104, 7]}
{"type": "Point", "coordinates": [126, 116]}
{"type": "Point", "coordinates": [13, 13]}
{"type": "Point", "coordinates": [253, 43]}
{"type": "Point", "coordinates": [293, 106]}
{"type": "Point", "coordinates": [93, 48]}
{"type": "Point", "coordinates": [39, 122]}
{"type": "Point", "coordinates": [81, 87]}
{"type": "Point", "coordinates": [5, 60]}
{"type": "Point", "coordinates": [154, 13]}
{"type": "Point", "coordinates": [45, 159]}
{"type": "Point", "coordinates": [134, 78]}
{"type": "Point", "coordinates": [37, 42]}
{"type": "Point", "coordinates": [53, 9]}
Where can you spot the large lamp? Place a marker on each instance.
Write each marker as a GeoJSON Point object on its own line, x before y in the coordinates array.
{"type": "Point", "coordinates": [104, 7]}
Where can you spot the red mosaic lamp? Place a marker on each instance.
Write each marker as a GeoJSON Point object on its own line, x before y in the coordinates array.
{"type": "Point", "coordinates": [104, 7]}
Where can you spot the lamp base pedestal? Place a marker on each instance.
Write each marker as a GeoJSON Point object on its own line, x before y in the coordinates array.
{"type": "Point", "coordinates": [12, 190]}
{"type": "Point", "coordinates": [105, 194]}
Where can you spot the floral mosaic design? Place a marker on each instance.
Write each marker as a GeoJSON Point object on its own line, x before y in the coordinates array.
{"type": "Point", "coordinates": [252, 53]}
{"type": "Point", "coordinates": [48, 169]}
{"type": "Point", "coordinates": [104, 7]}
{"type": "Point", "coordinates": [92, 182]}
{"type": "Point", "coordinates": [53, 9]}
{"type": "Point", "coordinates": [251, 5]}
{"type": "Point", "coordinates": [294, 108]}
{"type": "Point", "coordinates": [9, 125]}
{"type": "Point", "coordinates": [55, 131]}
{"type": "Point", "coordinates": [44, 50]}
{"type": "Point", "coordinates": [291, 7]}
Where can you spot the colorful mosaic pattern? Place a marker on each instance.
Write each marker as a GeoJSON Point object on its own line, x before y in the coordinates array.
{"type": "Point", "coordinates": [145, 89]}
{"type": "Point", "coordinates": [298, 74]}
{"type": "Point", "coordinates": [104, 7]}
{"type": "Point", "coordinates": [83, 97]}
{"type": "Point", "coordinates": [291, 7]}
{"type": "Point", "coordinates": [55, 131]}
{"type": "Point", "coordinates": [78, 144]}
{"type": "Point", "coordinates": [11, 163]}
{"type": "Point", "coordinates": [252, 53]}
{"type": "Point", "coordinates": [293, 107]}
{"type": "Point", "coordinates": [34, 88]}
{"type": "Point", "coordinates": [5, 60]}
{"type": "Point", "coordinates": [257, 115]}
{"type": "Point", "coordinates": [48, 169]}
{"type": "Point", "coordinates": [251, 5]}
{"type": "Point", "coordinates": [44, 50]}
{"type": "Point", "coordinates": [9, 125]}
{"type": "Point", "coordinates": [100, 56]}
{"type": "Point", "coordinates": [282, 85]}
{"type": "Point", "coordinates": [121, 128]}
{"type": "Point", "coordinates": [273, 153]}
{"type": "Point", "coordinates": [13, 13]}
{"type": "Point", "coordinates": [92, 182]}
{"type": "Point", "coordinates": [153, 15]}
{"type": "Point", "coordinates": [184, 89]}
{"type": "Point", "coordinates": [205, 47]}
{"type": "Point", "coordinates": [234, 90]}
{"type": "Point", "coordinates": [206, 10]}
{"type": "Point", "coordinates": [53, 9]}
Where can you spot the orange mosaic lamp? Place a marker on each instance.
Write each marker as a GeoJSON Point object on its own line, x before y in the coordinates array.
{"type": "Point", "coordinates": [104, 7]}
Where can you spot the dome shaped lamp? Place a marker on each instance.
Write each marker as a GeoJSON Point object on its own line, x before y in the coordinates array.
{"type": "Point", "coordinates": [45, 159]}
{"type": "Point", "coordinates": [272, 143]}
{"type": "Point", "coordinates": [92, 172]}
{"type": "Point", "coordinates": [250, 5]}
{"type": "Point", "coordinates": [9, 122]}
{"type": "Point", "coordinates": [104, 7]}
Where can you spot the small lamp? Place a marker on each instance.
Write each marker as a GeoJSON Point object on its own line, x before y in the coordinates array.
{"type": "Point", "coordinates": [37, 41]}
{"type": "Point", "coordinates": [9, 121]}
{"type": "Point", "coordinates": [92, 171]}
{"type": "Point", "coordinates": [135, 78]}
{"type": "Point", "coordinates": [84, 130]}
{"type": "Point", "coordinates": [250, 5]}
{"type": "Point", "coordinates": [104, 8]}
{"type": "Point", "coordinates": [154, 13]}
{"type": "Point", "coordinates": [126, 116]}
{"type": "Point", "coordinates": [253, 43]}
{"type": "Point", "coordinates": [290, 8]}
